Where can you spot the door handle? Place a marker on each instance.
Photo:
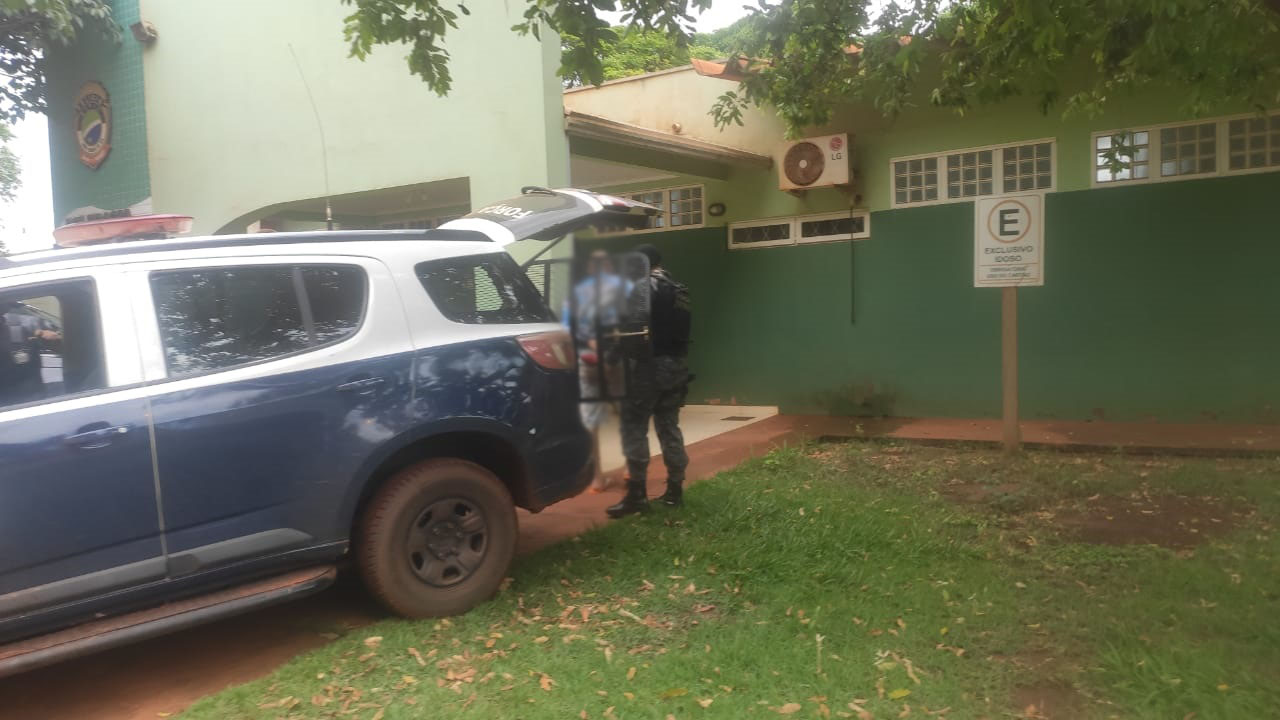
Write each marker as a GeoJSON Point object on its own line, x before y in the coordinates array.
{"type": "Point", "coordinates": [93, 439]}
{"type": "Point", "coordinates": [362, 385]}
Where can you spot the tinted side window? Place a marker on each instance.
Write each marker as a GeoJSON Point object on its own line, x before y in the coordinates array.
{"type": "Point", "coordinates": [336, 295]}
{"type": "Point", "coordinates": [218, 318]}
{"type": "Point", "coordinates": [221, 317]}
{"type": "Point", "coordinates": [483, 289]}
{"type": "Point", "coordinates": [50, 342]}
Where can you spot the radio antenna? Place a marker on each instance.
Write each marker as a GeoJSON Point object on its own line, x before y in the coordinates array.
{"type": "Point", "coordinates": [324, 144]}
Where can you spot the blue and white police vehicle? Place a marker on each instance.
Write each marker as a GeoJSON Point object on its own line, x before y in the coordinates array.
{"type": "Point", "coordinates": [194, 427]}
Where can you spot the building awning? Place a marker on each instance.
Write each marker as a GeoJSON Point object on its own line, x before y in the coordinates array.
{"type": "Point", "coordinates": [594, 136]}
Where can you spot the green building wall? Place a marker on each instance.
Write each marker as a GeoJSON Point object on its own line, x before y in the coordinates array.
{"type": "Point", "coordinates": [1159, 304]}
{"type": "Point", "coordinates": [122, 179]}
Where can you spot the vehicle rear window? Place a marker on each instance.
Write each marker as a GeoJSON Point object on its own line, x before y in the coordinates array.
{"type": "Point", "coordinates": [483, 290]}
{"type": "Point", "coordinates": [218, 318]}
{"type": "Point", "coordinates": [336, 296]}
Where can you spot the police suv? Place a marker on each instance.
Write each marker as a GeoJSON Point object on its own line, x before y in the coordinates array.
{"type": "Point", "coordinates": [190, 428]}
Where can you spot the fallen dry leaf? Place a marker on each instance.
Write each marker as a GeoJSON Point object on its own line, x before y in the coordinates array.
{"type": "Point", "coordinates": [373, 641]}
{"type": "Point", "coordinates": [899, 694]}
{"type": "Point", "coordinates": [631, 672]}
{"type": "Point", "coordinates": [545, 682]}
{"type": "Point", "coordinates": [860, 711]}
{"type": "Point", "coordinates": [789, 709]}
{"type": "Point", "coordinates": [706, 702]}
{"type": "Point", "coordinates": [673, 693]}
{"type": "Point", "coordinates": [417, 656]}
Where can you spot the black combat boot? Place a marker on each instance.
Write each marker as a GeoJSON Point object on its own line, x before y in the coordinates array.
{"type": "Point", "coordinates": [674, 496]}
{"type": "Point", "coordinates": [635, 501]}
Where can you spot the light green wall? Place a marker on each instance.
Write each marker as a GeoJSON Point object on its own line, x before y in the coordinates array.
{"type": "Point", "coordinates": [122, 179]}
{"type": "Point", "coordinates": [231, 130]}
{"type": "Point", "coordinates": [751, 194]}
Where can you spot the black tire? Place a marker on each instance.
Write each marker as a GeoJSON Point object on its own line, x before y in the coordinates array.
{"type": "Point", "coordinates": [420, 547]}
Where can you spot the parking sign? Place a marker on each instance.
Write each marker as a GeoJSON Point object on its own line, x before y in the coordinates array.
{"type": "Point", "coordinates": [1008, 241]}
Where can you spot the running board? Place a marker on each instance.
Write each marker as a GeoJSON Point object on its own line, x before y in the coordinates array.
{"type": "Point", "coordinates": [110, 632]}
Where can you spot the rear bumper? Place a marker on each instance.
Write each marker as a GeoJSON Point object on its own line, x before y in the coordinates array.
{"type": "Point", "coordinates": [559, 460]}
{"type": "Point", "coordinates": [561, 471]}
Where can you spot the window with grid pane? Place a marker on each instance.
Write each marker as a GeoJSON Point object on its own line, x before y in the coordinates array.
{"type": "Point", "coordinates": [915, 180]}
{"type": "Point", "coordinates": [1132, 148]}
{"type": "Point", "coordinates": [1253, 143]}
{"type": "Point", "coordinates": [1027, 167]}
{"type": "Point", "coordinates": [657, 198]}
{"type": "Point", "coordinates": [685, 206]}
{"type": "Point", "coordinates": [1188, 150]}
{"type": "Point", "coordinates": [969, 174]}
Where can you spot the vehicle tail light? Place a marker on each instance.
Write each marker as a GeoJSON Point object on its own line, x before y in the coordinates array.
{"type": "Point", "coordinates": [552, 350]}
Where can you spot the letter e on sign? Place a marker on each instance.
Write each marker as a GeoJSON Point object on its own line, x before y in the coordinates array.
{"type": "Point", "coordinates": [1008, 241]}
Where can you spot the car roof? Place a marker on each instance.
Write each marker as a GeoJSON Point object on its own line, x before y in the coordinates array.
{"type": "Point", "coordinates": [133, 251]}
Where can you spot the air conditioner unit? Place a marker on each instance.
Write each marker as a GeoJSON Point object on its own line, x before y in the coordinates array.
{"type": "Point", "coordinates": [815, 162]}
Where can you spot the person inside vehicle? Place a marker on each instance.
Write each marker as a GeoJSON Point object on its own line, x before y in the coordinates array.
{"type": "Point", "coordinates": [659, 381]}
{"type": "Point", "coordinates": [25, 335]}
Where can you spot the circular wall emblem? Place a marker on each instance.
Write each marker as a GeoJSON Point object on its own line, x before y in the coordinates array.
{"type": "Point", "coordinates": [93, 124]}
{"type": "Point", "coordinates": [836, 143]}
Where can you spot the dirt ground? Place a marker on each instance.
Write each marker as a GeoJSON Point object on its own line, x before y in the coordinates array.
{"type": "Point", "coordinates": [1177, 522]}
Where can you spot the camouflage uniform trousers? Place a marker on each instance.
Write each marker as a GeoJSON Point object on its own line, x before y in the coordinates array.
{"type": "Point", "coordinates": [658, 389]}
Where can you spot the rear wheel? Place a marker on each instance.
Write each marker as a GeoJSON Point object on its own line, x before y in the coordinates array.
{"type": "Point", "coordinates": [437, 538]}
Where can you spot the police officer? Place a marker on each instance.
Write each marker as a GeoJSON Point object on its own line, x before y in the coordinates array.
{"type": "Point", "coordinates": [659, 381]}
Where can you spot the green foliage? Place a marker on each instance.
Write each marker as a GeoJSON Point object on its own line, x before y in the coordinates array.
{"type": "Point", "coordinates": [423, 24]}
{"type": "Point", "coordinates": [961, 54]}
{"type": "Point", "coordinates": [979, 52]}
{"type": "Point", "coordinates": [9, 170]}
{"type": "Point", "coordinates": [28, 30]}
{"type": "Point", "coordinates": [636, 51]}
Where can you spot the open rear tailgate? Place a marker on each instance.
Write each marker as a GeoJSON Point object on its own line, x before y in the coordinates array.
{"type": "Point", "coordinates": [542, 214]}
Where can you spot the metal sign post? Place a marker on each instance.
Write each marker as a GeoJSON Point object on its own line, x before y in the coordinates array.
{"type": "Point", "coordinates": [1008, 252]}
{"type": "Point", "coordinates": [1012, 433]}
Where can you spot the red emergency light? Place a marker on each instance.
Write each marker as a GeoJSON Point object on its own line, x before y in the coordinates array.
{"type": "Point", "coordinates": [121, 229]}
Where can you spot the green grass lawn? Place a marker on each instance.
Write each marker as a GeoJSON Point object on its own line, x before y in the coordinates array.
{"type": "Point", "coordinates": [864, 580]}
